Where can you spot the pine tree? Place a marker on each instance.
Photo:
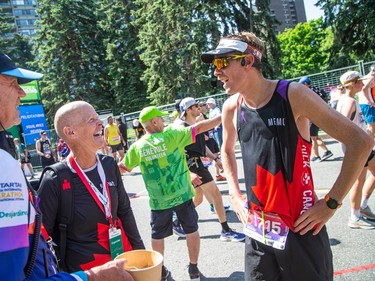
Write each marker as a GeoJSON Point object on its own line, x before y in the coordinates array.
{"type": "Point", "coordinates": [72, 55]}
{"type": "Point", "coordinates": [122, 57]}
{"type": "Point", "coordinates": [171, 34]}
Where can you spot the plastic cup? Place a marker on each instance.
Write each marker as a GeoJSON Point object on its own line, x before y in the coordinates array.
{"type": "Point", "coordinates": [143, 265]}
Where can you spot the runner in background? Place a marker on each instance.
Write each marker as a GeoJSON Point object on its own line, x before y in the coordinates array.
{"type": "Point", "coordinates": [366, 101]}
{"type": "Point", "coordinates": [24, 157]}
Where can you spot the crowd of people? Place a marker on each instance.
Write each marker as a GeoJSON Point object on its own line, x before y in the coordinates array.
{"type": "Point", "coordinates": [87, 212]}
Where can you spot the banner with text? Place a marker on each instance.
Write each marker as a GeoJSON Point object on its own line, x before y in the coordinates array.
{"type": "Point", "coordinates": [32, 91]}
{"type": "Point", "coordinates": [33, 120]}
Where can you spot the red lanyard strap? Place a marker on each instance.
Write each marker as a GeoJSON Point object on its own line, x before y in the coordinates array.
{"type": "Point", "coordinates": [103, 200]}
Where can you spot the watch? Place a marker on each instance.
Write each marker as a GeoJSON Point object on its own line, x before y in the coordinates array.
{"type": "Point", "coordinates": [331, 202]}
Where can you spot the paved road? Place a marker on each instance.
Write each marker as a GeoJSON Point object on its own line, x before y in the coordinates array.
{"type": "Point", "coordinates": [353, 250]}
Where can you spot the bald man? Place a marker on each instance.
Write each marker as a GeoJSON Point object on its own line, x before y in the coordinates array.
{"type": "Point", "coordinates": [102, 207]}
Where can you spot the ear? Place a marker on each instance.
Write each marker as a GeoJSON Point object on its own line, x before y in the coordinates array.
{"type": "Point", "coordinates": [68, 131]}
{"type": "Point", "coordinates": [153, 122]}
{"type": "Point", "coordinates": [249, 60]}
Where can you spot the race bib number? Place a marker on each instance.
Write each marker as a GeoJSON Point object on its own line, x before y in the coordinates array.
{"type": "Point", "coordinates": [117, 138]}
{"type": "Point", "coordinates": [267, 228]}
{"type": "Point", "coordinates": [115, 242]}
{"type": "Point", "coordinates": [206, 161]}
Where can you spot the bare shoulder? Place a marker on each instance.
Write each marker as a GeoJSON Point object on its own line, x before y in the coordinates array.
{"type": "Point", "coordinates": [304, 101]}
{"type": "Point", "coordinates": [231, 103]}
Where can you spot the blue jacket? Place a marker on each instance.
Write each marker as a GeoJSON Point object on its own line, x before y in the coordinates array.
{"type": "Point", "coordinates": [17, 216]}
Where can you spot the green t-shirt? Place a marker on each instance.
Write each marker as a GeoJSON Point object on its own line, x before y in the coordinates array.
{"type": "Point", "coordinates": [162, 161]}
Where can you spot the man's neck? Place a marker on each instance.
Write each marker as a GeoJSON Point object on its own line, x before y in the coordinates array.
{"type": "Point", "coordinates": [85, 159]}
{"type": "Point", "coordinates": [350, 93]}
{"type": "Point", "coordinates": [259, 94]}
{"type": "Point", "coordinates": [190, 119]}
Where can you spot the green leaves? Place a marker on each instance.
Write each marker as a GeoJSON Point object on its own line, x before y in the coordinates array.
{"type": "Point", "coordinates": [305, 48]}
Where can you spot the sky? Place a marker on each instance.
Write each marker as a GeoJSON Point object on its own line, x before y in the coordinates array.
{"type": "Point", "coordinates": [312, 12]}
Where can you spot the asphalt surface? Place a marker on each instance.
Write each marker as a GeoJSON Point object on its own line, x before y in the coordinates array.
{"type": "Point", "coordinates": [353, 249]}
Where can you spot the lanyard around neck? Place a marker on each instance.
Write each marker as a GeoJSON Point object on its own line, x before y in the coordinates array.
{"type": "Point", "coordinates": [101, 199]}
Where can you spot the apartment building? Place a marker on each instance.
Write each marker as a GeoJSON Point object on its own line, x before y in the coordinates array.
{"type": "Point", "coordinates": [288, 13]}
{"type": "Point", "coordinates": [23, 14]}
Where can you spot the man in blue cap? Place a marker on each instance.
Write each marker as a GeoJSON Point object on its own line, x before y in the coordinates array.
{"type": "Point", "coordinates": [314, 130]}
{"type": "Point", "coordinates": [24, 252]}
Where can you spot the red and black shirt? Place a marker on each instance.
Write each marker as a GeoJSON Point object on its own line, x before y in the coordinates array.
{"type": "Point", "coordinates": [276, 158]}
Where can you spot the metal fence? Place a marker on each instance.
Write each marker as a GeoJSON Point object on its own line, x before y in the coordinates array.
{"type": "Point", "coordinates": [324, 80]}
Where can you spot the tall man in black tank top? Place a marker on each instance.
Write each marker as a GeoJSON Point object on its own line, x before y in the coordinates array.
{"type": "Point", "coordinates": [44, 150]}
{"type": "Point", "coordinates": [271, 120]}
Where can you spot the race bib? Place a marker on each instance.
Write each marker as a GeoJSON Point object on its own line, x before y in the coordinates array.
{"type": "Point", "coordinates": [117, 138]}
{"type": "Point", "coordinates": [267, 228]}
{"type": "Point", "coordinates": [206, 161]}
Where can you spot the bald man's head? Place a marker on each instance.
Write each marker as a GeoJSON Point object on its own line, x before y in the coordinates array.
{"type": "Point", "coordinates": [69, 115]}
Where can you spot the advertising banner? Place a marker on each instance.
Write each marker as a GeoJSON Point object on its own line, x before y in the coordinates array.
{"type": "Point", "coordinates": [33, 120]}
{"type": "Point", "coordinates": [32, 92]}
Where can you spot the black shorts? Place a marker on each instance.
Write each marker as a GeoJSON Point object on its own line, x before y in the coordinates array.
{"type": "Point", "coordinates": [116, 147]}
{"type": "Point", "coordinates": [314, 130]}
{"type": "Point", "coordinates": [305, 257]}
{"type": "Point", "coordinates": [161, 220]}
{"type": "Point", "coordinates": [47, 161]}
{"type": "Point", "coordinates": [372, 154]}
{"type": "Point", "coordinates": [23, 160]}
{"type": "Point", "coordinates": [196, 166]}
{"type": "Point", "coordinates": [212, 145]}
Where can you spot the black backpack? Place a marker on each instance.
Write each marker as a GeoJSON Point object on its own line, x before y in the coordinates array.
{"type": "Point", "coordinates": [62, 171]}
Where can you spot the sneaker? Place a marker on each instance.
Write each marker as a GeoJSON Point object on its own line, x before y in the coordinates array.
{"type": "Point", "coordinates": [326, 155]}
{"type": "Point", "coordinates": [361, 223]}
{"type": "Point", "coordinates": [232, 236]}
{"type": "Point", "coordinates": [366, 212]}
{"type": "Point", "coordinates": [194, 273]}
{"type": "Point", "coordinates": [220, 178]}
{"type": "Point", "coordinates": [212, 208]}
{"type": "Point", "coordinates": [177, 230]}
{"type": "Point", "coordinates": [165, 273]}
{"type": "Point", "coordinates": [315, 159]}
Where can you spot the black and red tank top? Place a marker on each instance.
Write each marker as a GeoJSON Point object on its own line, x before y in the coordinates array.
{"type": "Point", "coordinates": [276, 158]}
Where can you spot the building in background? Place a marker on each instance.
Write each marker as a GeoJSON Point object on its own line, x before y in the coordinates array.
{"type": "Point", "coordinates": [288, 13]}
{"type": "Point", "coordinates": [23, 14]}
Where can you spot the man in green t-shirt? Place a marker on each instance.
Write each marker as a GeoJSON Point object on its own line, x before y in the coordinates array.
{"type": "Point", "coordinates": [161, 157]}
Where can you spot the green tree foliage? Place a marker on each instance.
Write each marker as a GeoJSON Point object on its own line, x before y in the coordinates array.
{"type": "Point", "coordinates": [122, 57]}
{"type": "Point", "coordinates": [226, 17]}
{"type": "Point", "coordinates": [15, 46]}
{"type": "Point", "coordinates": [352, 23]}
{"type": "Point", "coordinates": [171, 35]}
{"type": "Point", "coordinates": [264, 28]}
{"type": "Point", "coordinates": [305, 48]}
{"type": "Point", "coordinates": [71, 55]}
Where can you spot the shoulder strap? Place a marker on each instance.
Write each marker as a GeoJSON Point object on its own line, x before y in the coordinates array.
{"type": "Point", "coordinates": [66, 206]}
{"type": "Point", "coordinates": [35, 242]}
